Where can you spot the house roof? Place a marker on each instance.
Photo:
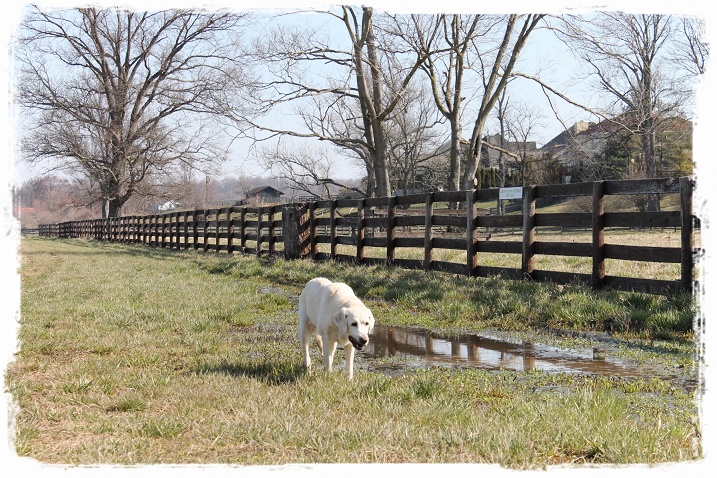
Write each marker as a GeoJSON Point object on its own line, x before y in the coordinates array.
{"type": "Point", "coordinates": [268, 189]}
{"type": "Point", "coordinates": [588, 130]}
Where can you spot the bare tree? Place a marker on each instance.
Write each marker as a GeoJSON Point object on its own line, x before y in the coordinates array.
{"type": "Point", "coordinates": [629, 61]}
{"type": "Point", "coordinates": [114, 96]}
{"type": "Point", "coordinates": [522, 119]}
{"type": "Point", "coordinates": [690, 50]}
{"type": "Point", "coordinates": [446, 69]}
{"type": "Point", "coordinates": [304, 168]}
{"type": "Point", "coordinates": [497, 66]}
{"type": "Point", "coordinates": [360, 73]}
{"type": "Point", "coordinates": [414, 136]}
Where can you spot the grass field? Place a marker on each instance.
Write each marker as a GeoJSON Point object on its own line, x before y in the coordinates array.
{"type": "Point", "coordinates": [131, 355]}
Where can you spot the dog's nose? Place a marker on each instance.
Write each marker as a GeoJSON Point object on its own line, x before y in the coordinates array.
{"type": "Point", "coordinates": [363, 340]}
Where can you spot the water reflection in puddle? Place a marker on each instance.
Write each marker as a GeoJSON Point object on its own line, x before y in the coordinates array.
{"type": "Point", "coordinates": [424, 348]}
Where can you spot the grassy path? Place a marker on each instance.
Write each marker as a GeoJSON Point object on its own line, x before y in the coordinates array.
{"type": "Point", "coordinates": [134, 356]}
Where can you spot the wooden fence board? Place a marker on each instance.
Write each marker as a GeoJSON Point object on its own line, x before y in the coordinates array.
{"type": "Point", "coordinates": [643, 253]}
{"type": "Point", "coordinates": [564, 249]}
{"type": "Point", "coordinates": [643, 186]}
{"type": "Point", "coordinates": [500, 247]}
{"type": "Point", "coordinates": [643, 219]}
{"type": "Point", "coordinates": [445, 243]}
{"type": "Point", "coordinates": [499, 221]}
{"type": "Point", "coordinates": [414, 242]}
{"type": "Point", "coordinates": [457, 221]}
{"type": "Point", "coordinates": [574, 219]}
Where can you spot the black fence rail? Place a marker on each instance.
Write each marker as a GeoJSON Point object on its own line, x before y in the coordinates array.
{"type": "Point", "coordinates": [355, 229]}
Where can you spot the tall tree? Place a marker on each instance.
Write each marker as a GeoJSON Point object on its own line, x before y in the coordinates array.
{"type": "Point", "coordinates": [521, 121]}
{"type": "Point", "coordinates": [359, 81]}
{"type": "Point", "coordinates": [447, 68]}
{"type": "Point", "coordinates": [414, 137]}
{"type": "Point", "coordinates": [114, 96]}
{"type": "Point", "coordinates": [628, 58]}
{"type": "Point", "coordinates": [497, 67]}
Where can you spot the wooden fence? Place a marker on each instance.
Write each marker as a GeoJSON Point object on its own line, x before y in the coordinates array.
{"type": "Point", "coordinates": [424, 221]}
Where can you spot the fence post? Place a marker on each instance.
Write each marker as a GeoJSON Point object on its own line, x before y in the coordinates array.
{"type": "Point", "coordinates": [295, 225]}
{"type": "Point", "coordinates": [360, 231]}
{"type": "Point", "coordinates": [163, 228]}
{"type": "Point", "coordinates": [313, 231]}
{"type": "Point", "coordinates": [148, 230]}
{"type": "Point", "coordinates": [272, 231]}
{"type": "Point", "coordinates": [428, 234]}
{"type": "Point", "coordinates": [242, 230]}
{"type": "Point", "coordinates": [216, 229]}
{"type": "Point", "coordinates": [687, 235]}
{"type": "Point", "coordinates": [205, 229]}
{"type": "Point", "coordinates": [598, 227]}
{"type": "Point", "coordinates": [332, 227]}
{"type": "Point", "coordinates": [259, 219]}
{"type": "Point", "coordinates": [471, 233]}
{"type": "Point", "coordinates": [187, 226]}
{"type": "Point", "coordinates": [177, 230]}
{"type": "Point", "coordinates": [169, 229]}
{"type": "Point", "coordinates": [195, 229]}
{"type": "Point", "coordinates": [230, 230]}
{"type": "Point", "coordinates": [158, 227]}
{"type": "Point", "coordinates": [391, 230]}
{"type": "Point", "coordinates": [527, 263]}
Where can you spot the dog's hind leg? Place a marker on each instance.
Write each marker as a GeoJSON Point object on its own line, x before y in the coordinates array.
{"type": "Point", "coordinates": [320, 344]}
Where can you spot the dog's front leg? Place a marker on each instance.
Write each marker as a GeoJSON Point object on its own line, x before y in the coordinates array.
{"type": "Point", "coordinates": [349, 356]}
{"type": "Point", "coordinates": [329, 350]}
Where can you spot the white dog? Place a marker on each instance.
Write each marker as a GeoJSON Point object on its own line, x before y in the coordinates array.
{"type": "Point", "coordinates": [331, 312]}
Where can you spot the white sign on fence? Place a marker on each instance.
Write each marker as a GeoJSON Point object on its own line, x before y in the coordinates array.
{"type": "Point", "coordinates": [510, 193]}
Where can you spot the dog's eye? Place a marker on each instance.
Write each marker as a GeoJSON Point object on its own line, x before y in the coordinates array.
{"type": "Point", "coordinates": [353, 324]}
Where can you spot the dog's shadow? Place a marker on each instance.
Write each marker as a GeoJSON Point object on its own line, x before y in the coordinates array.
{"type": "Point", "coordinates": [272, 373]}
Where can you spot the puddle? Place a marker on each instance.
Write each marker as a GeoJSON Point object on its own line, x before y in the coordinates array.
{"type": "Point", "coordinates": [420, 348]}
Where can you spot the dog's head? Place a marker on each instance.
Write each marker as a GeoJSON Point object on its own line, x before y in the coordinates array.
{"type": "Point", "coordinates": [356, 323]}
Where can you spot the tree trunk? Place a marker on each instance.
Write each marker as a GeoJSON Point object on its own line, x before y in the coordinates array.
{"type": "Point", "coordinates": [474, 158]}
{"type": "Point", "coordinates": [454, 178]}
{"type": "Point", "coordinates": [648, 151]}
{"type": "Point", "coordinates": [383, 183]}
{"type": "Point", "coordinates": [378, 134]}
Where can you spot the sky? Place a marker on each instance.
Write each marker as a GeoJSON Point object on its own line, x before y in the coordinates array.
{"type": "Point", "coordinates": [704, 207]}
{"type": "Point", "coordinates": [543, 56]}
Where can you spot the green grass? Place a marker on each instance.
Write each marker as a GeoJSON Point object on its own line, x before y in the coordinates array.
{"type": "Point", "coordinates": [131, 355]}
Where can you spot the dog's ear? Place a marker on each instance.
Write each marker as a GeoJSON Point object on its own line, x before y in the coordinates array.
{"type": "Point", "coordinates": [371, 321]}
{"type": "Point", "coordinates": [341, 321]}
